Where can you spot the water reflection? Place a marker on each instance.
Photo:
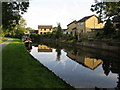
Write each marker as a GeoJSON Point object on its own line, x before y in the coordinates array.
{"type": "Point", "coordinates": [91, 63]}
{"type": "Point", "coordinates": [71, 64]}
{"type": "Point", "coordinates": [44, 48]}
{"type": "Point", "coordinates": [58, 50]}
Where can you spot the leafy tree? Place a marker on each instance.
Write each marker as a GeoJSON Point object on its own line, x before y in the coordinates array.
{"type": "Point", "coordinates": [19, 29]}
{"type": "Point", "coordinates": [29, 28]}
{"type": "Point", "coordinates": [59, 31]}
{"type": "Point", "coordinates": [76, 35]}
{"type": "Point", "coordinates": [106, 10]}
{"type": "Point", "coordinates": [11, 13]}
{"type": "Point", "coordinates": [108, 29]}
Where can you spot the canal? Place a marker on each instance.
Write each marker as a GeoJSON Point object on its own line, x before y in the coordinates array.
{"type": "Point", "coordinates": [80, 67]}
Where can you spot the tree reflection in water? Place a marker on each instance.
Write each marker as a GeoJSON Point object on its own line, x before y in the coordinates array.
{"type": "Point", "coordinates": [110, 61]}
{"type": "Point", "coordinates": [58, 54]}
{"type": "Point", "coordinates": [106, 67]}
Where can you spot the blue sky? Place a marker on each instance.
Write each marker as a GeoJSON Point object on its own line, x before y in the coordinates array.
{"type": "Point", "coordinates": [51, 12]}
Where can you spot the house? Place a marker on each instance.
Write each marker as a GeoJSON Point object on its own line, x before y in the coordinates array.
{"type": "Point", "coordinates": [85, 25]}
{"type": "Point", "coordinates": [71, 27]}
{"type": "Point", "coordinates": [44, 29]}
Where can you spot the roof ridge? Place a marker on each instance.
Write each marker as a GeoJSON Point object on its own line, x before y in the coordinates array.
{"type": "Point", "coordinates": [85, 18]}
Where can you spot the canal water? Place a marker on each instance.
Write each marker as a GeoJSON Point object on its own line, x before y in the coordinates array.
{"type": "Point", "coordinates": [80, 67]}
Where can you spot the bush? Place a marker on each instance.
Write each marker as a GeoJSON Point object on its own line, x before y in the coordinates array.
{"type": "Point", "coordinates": [72, 41]}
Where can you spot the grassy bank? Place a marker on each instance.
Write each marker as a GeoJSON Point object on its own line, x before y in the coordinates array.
{"type": "Point", "coordinates": [21, 70]}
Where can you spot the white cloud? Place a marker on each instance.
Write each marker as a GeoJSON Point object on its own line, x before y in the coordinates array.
{"type": "Point", "coordinates": [49, 12]}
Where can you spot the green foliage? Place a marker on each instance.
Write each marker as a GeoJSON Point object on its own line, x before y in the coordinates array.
{"type": "Point", "coordinates": [29, 28]}
{"type": "Point", "coordinates": [84, 36]}
{"type": "Point", "coordinates": [16, 31]}
{"type": "Point", "coordinates": [106, 10]}
{"type": "Point", "coordinates": [108, 29]}
{"type": "Point", "coordinates": [58, 32]}
{"type": "Point", "coordinates": [71, 41]}
{"type": "Point", "coordinates": [11, 14]}
{"type": "Point", "coordinates": [2, 34]}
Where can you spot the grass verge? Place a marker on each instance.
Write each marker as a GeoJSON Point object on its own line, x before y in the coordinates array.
{"type": "Point", "coordinates": [21, 70]}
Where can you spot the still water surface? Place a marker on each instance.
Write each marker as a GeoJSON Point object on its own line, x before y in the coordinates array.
{"type": "Point", "coordinates": [81, 68]}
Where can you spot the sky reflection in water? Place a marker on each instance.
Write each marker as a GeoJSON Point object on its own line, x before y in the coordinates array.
{"type": "Point", "coordinates": [78, 71]}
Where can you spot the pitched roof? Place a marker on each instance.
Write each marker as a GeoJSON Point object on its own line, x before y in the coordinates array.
{"type": "Point", "coordinates": [85, 18]}
{"type": "Point", "coordinates": [72, 22]}
{"type": "Point", "coordinates": [44, 26]}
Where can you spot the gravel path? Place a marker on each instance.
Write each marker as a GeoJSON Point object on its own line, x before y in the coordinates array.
{"type": "Point", "coordinates": [2, 45]}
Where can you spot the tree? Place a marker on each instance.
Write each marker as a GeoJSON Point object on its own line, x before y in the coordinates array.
{"type": "Point", "coordinates": [106, 10]}
{"type": "Point", "coordinates": [29, 28]}
{"type": "Point", "coordinates": [59, 31]}
{"type": "Point", "coordinates": [19, 29]}
{"type": "Point", "coordinates": [11, 13]}
{"type": "Point", "coordinates": [108, 29]}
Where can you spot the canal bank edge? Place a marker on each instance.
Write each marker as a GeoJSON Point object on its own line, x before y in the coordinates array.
{"type": "Point", "coordinates": [9, 77]}
{"type": "Point", "coordinates": [89, 44]}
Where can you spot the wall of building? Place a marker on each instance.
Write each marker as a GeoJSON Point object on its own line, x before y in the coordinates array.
{"type": "Point", "coordinates": [92, 23]}
{"type": "Point", "coordinates": [70, 27]}
{"type": "Point", "coordinates": [44, 31]}
{"type": "Point", "coordinates": [80, 27]}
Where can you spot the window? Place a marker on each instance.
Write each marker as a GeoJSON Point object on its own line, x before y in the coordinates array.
{"type": "Point", "coordinates": [40, 32]}
{"type": "Point", "coordinates": [80, 23]}
{"type": "Point", "coordinates": [45, 33]}
{"type": "Point", "coordinates": [50, 29]}
{"type": "Point", "coordinates": [44, 29]}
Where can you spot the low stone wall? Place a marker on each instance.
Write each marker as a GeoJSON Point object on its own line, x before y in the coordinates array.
{"type": "Point", "coordinates": [100, 45]}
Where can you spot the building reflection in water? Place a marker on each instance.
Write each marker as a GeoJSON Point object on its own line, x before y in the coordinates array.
{"type": "Point", "coordinates": [108, 64]}
{"type": "Point", "coordinates": [44, 48]}
{"type": "Point", "coordinates": [90, 60]}
{"type": "Point", "coordinates": [91, 63]}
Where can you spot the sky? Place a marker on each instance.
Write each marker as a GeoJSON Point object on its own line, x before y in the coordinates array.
{"type": "Point", "coordinates": [51, 12]}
